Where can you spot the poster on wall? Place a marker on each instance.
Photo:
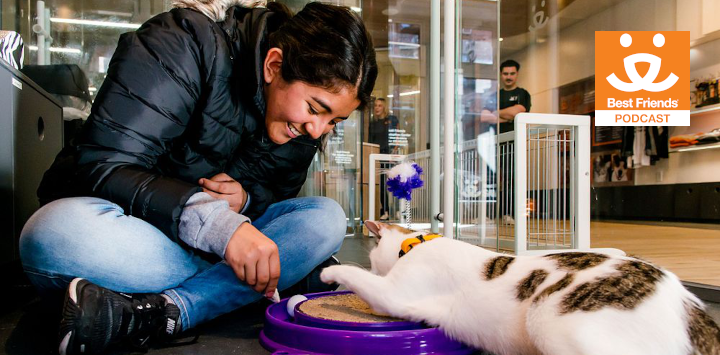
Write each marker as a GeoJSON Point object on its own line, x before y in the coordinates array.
{"type": "Point", "coordinates": [605, 135]}
{"type": "Point", "coordinates": [610, 169]}
{"type": "Point", "coordinates": [578, 98]}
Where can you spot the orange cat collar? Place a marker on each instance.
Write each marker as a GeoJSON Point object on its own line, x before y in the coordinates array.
{"type": "Point", "coordinates": [409, 243]}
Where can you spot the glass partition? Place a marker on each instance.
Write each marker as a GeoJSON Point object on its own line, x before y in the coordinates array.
{"type": "Point", "coordinates": [401, 33]}
{"type": "Point", "coordinates": [476, 123]}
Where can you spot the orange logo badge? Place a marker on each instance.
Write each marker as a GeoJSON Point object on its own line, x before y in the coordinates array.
{"type": "Point", "coordinates": [642, 78]}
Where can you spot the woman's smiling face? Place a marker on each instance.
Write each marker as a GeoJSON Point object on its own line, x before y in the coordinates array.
{"type": "Point", "coordinates": [297, 108]}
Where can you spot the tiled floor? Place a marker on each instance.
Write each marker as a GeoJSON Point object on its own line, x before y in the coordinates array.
{"type": "Point", "coordinates": [26, 329]}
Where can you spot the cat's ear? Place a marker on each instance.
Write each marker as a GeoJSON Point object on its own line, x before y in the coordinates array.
{"type": "Point", "coordinates": [374, 227]}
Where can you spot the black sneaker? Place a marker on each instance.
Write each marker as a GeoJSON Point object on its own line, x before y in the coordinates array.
{"type": "Point", "coordinates": [95, 317]}
{"type": "Point", "coordinates": [312, 283]}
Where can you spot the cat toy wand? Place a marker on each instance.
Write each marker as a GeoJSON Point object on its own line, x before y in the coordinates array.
{"type": "Point", "coordinates": [402, 179]}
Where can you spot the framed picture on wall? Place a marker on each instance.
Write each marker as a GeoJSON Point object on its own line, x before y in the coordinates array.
{"type": "Point", "coordinates": [577, 98]}
{"type": "Point", "coordinates": [610, 169]}
{"type": "Point", "coordinates": [605, 135]}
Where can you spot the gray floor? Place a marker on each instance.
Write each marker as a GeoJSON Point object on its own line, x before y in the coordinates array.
{"type": "Point", "coordinates": [26, 329]}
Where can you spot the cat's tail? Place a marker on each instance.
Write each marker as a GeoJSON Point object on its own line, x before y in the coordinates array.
{"type": "Point", "coordinates": [703, 332]}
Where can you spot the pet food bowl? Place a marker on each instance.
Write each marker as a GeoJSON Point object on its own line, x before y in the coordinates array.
{"type": "Point", "coordinates": [307, 335]}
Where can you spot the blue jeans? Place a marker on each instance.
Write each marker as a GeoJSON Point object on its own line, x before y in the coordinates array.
{"type": "Point", "coordinates": [92, 238]}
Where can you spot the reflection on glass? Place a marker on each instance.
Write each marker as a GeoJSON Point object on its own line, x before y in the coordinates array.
{"type": "Point", "coordinates": [477, 46]}
{"type": "Point", "coordinates": [86, 32]}
{"type": "Point", "coordinates": [342, 168]}
{"type": "Point", "coordinates": [478, 108]}
{"type": "Point", "coordinates": [404, 40]}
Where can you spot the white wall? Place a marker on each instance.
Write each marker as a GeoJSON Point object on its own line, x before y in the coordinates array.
{"type": "Point", "coordinates": [682, 168]}
{"type": "Point", "coordinates": [570, 56]}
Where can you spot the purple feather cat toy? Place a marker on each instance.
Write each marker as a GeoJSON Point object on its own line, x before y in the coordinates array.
{"type": "Point", "coordinates": [402, 179]}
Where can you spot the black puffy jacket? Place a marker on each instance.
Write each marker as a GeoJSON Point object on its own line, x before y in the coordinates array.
{"type": "Point", "coordinates": [182, 100]}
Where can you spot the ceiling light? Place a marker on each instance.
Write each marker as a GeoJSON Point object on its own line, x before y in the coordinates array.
{"type": "Point", "coordinates": [390, 11]}
{"type": "Point", "coordinates": [59, 50]}
{"type": "Point", "coordinates": [95, 23]}
{"type": "Point", "coordinates": [407, 93]}
{"type": "Point", "coordinates": [406, 44]}
{"type": "Point", "coordinates": [113, 13]}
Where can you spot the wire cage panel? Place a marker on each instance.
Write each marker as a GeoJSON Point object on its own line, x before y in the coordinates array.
{"type": "Point", "coordinates": [381, 204]}
{"type": "Point", "coordinates": [551, 165]}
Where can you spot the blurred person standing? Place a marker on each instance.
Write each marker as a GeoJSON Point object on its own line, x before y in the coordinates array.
{"type": "Point", "coordinates": [513, 99]}
{"type": "Point", "coordinates": [381, 125]}
{"type": "Point", "coordinates": [379, 129]}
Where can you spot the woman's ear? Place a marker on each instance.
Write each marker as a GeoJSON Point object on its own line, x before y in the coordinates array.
{"type": "Point", "coordinates": [273, 65]}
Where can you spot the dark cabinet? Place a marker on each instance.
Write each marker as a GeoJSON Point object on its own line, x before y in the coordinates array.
{"type": "Point", "coordinates": [687, 201]}
{"type": "Point", "coordinates": [31, 135]}
{"type": "Point", "coordinates": [710, 202]}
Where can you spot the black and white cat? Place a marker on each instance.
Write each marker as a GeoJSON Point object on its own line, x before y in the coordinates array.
{"type": "Point", "coordinates": [568, 303]}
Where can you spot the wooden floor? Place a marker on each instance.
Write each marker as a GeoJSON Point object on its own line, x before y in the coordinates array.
{"type": "Point", "coordinates": [690, 251]}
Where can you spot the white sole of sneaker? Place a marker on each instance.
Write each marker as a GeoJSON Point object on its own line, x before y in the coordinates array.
{"type": "Point", "coordinates": [72, 289]}
{"type": "Point", "coordinates": [64, 344]}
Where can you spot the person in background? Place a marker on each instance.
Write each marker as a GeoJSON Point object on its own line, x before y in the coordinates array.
{"type": "Point", "coordinates": [380, 128]}
{"type": "Point", "coordinates": [513, 99]}
{"type": "Point", "coordinates": [210, 116]}
{"type": "Point", "coordinates": [381, 125]}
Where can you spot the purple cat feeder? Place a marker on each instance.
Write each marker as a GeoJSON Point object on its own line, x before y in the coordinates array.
{"type": "Point", "coordinates": [305, 335]}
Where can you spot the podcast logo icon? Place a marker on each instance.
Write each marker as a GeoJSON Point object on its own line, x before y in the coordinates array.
{"type": "Point", "coordinates": [625, 96]}
{"type": "Point", "coordinates": [642, 83]}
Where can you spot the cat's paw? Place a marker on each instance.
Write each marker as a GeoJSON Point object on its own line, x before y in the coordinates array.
{"type": "Point", "coordinates": [329, 274]}
{"type": "Point", "coordinates": [337, 273]}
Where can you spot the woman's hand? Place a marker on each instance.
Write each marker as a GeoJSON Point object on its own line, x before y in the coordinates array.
{"type": "Point", "coordinates": [254, 258]}
{"type": "Point", "coordinates": [224, 187]}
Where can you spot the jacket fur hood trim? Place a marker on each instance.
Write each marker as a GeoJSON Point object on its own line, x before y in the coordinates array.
{"type": "Point", "coordinates": [216, 9]}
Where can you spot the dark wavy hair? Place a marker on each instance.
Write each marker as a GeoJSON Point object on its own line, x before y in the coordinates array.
{"type": "Point", "coordinates": [510, 63]}
{"type": "Point", "coordinates": [326, 46]}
